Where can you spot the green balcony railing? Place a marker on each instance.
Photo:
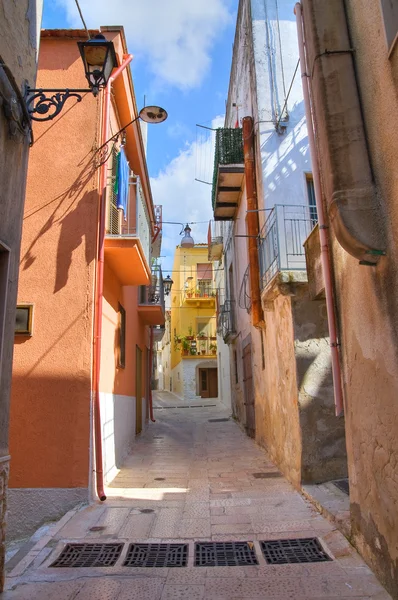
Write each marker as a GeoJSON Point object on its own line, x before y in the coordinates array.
{"type": "Point", "coordinates": [228, 151]}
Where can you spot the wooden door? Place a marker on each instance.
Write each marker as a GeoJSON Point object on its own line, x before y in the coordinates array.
{"type": "Point", "coordinates": [204, 383]}
{"type": "Point", "coordinates": [138, 390]}
{"type": "Point", "coordinates": [248, 388]}
{"type": "Point", "coordinates": [213, 383]}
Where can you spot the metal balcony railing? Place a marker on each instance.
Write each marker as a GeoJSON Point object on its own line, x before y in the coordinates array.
{"type": "Point", "coordinates": [204, 290]}
{"type": "Point", "coordinates": [245, 295]}
{"type": "Point", "coordinates": [281, 240]}
{"type": "Point", "coordinates": [228, 151]}
{"type": "Point", "coordinates": [132, 222]}
{"type": "Point", "coordinates": [226, 319]}
{"type": "Point", "coordinates": [153, 294]}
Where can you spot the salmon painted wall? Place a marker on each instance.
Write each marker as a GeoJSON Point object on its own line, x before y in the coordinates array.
{"type": "Point", "coordinates": [50, 408]}
{"type": "Point", "coordinates": [115, 379]}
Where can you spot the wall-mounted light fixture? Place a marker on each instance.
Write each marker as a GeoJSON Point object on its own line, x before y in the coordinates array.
{"type": "Point", "coordinates": [99, 59]}
{"type": "Point", "coordinates": [167, 283]}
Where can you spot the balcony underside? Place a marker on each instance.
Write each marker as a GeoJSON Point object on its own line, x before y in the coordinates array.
{"type": "Point", "coordinates": [151, 314]}
{"type": "Point", "coordinates": [228, 191]}
{"type": "Point", "coordinates": [201, 302]}
{"type": "Point", "coordinates": [215, 249]}
{"type": "Point", "coordinates": [126, 258]}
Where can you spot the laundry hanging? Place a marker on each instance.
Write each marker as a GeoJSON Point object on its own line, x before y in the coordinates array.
{"type": "Point", "coordinates": [122, 182]}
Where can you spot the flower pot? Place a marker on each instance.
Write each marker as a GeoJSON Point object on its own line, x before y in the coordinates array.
{"type": "Point", "coordinates": [203, 352]}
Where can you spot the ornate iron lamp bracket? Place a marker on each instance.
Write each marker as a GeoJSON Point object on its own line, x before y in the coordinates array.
{"type": "Point", "coordinates": [45, 108]}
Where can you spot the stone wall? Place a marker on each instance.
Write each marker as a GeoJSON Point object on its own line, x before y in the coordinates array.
{"type": "Point", "coordinates": [19, 42]}
{"type": "Point", "coordinates": [324, 455]}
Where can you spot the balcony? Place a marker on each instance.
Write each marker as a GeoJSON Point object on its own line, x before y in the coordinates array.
{"type": "Point", "coordinates": [151, 308]}
{"type": "Point", "coordinates": [281, 242]}
{"type": "Point", "coordinates": [228, 173]}
{"type": "Point", "coordinates": [214, 241]}
{"type": "Point", "coordinates": [128, 236]}
{"type": "Point", "coordinates": [200, 346]}
{"type": "Point", "coordinates": [226, 321]}
{"type": "Point", "coordinates": [204, 295]}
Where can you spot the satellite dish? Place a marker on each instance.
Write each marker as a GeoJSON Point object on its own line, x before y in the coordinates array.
{"type": "Point", "coordinates": [153, 114]}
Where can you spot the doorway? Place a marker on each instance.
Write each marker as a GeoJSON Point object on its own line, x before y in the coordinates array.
{"type": "Point", "coordinates": [248, 387]}
{"type": "Point", "coordinates": [138, 390]}
{"type": "Point", "coordinates": [208, 383]}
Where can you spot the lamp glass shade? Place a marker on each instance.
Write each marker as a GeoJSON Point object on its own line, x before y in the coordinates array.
{"type": "Point", "coordinates": [187, 240]}
{"type": "Point", "coordinates": [99, 59]}
{"type": "Point", "coordinates": [167, 283]}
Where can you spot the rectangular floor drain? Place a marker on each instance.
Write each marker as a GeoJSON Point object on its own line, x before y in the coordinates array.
{"type": "Point", "coordinates": [157, 555]}
{"type": "Point", "coordinates": [217, 420]}
{"type": "Point", "coordinates": [305, 550]}
{"type": "Point", "coordinates": [88, 555]}
{"type": "Point", "coordinates": [224, 554]}
{"type": "Point", "coordinates": [342, 485]}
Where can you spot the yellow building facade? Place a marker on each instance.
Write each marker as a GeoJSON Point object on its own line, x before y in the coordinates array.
{"type": "Point", "coordinates": [193, 325]}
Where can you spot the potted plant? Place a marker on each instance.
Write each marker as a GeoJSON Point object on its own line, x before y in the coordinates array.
{"type": "Point", "coordinates": [202, 336]}
{"type": "Point", "coordinates": [213, 337]}
{"type": "Point", "coordinates": [213, 348]}
{"type": "Point", "coordinates": [191, 334]}
{"type": "Point", "coordinates": [185, 346]}
{"type": "Point", "coordinates": [177, 342]}
{"type": "Point", "coordinates": [189, 293]}
{"type": "Point", "coordinates": [202, 348]}
{"type": "Point", "coordinates": [197, 293]}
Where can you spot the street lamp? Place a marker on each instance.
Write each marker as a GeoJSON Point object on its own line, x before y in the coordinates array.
{"type": "Point", "coordinates": [167, 283]}
{"type": "Point", "coordinates": [187, 240]}
{"type": "Point", "coordinates": [99, 59]}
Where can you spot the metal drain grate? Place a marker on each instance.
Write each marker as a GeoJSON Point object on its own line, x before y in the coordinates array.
{"type": "Point", "coordinates": [157, 555]}
{"type": "Point", "coordinates": [217, 420]}
{"type": "Point", "coordinates": [88, 555]}
{"type": "Point", "coordinates": [305, 550]}
{"type": "Point", "coordinates": [224, 554]}
{"type": "Point", "coordinates": [342, 485]}
{"type": "Point", "coordinates": [267, 475]}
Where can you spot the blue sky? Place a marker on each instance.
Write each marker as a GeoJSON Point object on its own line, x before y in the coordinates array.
{"type": "Point", "coordinates": [182, 60]}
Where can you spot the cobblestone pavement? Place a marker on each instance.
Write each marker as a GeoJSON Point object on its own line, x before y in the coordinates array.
{"type": "Point", "coordinates": [196, 475]}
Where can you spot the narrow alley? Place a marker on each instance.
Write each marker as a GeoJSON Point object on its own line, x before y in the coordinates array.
{"type": "Point", "coordinates": [192, 477]}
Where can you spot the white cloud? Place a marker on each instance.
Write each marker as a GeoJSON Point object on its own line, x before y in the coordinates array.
{"type": "Point", "coordinates": [184, 199]}
{"type": "Point", "coordinates": [175, 36]}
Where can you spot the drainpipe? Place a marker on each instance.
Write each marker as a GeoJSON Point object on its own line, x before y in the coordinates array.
{"type": "Point", "coordinates": [347, 179]}
{"type": "Point", "coordinates": [100, 285]}
{"type": "Point", "coordinates": [150, 378]}
{"type": "Point", "coordinates": [252, 224]}
{"type": "Point", "coordinates": [323, 226]}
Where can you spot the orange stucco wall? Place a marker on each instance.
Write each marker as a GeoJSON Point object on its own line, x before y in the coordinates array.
{"type": "Point", "coordinates": [50, 407]}
{"type": "Point", "coordinates": [115, 379]}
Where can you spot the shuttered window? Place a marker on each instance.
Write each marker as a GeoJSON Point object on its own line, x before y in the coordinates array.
{"type": "Point", "coordinates": [204, 271]}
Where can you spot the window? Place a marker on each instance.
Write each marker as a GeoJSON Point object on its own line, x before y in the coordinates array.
{"type": "Point", "coordinates": [122, 337]}
{"type": "Point", "coordinates": [262, 350]}
{"type": "Point", "coordinates": [204, 271]}
{"type": "Point", "coordinates": [311, 198]}
{"type": "Point", "coordinates": [4, 267]}
{"type": "Point", "coordinates": [24, 319]}
{"type": "Point", "coordinates": [389, 9]}
{"type": "Point", "coordinates": [236, 366]}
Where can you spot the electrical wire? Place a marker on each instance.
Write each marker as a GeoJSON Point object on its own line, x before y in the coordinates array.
{"type": "Point", "coordinates": [82, 18]}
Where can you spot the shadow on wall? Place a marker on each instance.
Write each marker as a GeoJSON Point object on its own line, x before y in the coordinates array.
{"type": "Point", "coordinates": [75, 215]}
{"type": "Point", "coordinates": [50, 431]}
{"type": "Point", "coordinates": [286, 161]}
{"type": "Point", "coordinates": [324, 454]}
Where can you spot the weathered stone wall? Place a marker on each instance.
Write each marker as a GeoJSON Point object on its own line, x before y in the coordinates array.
{"type": "Point", "coordinates": [368, 309]}
{"type": "Point", "coordinates": [277, 419]}
{"type": "Point", "coordinates": [324, 455]}
{"type": "Point", "coordinates": [19, 40]}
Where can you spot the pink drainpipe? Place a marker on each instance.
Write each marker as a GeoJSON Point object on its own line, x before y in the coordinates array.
{"type": "Point", "coordinates": [100, 285]}
{"type": "Point", "coordinates": [323, 226]}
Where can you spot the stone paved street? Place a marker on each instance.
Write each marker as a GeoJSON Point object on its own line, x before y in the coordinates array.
{"type": "Point", "coordinates": [197, 478]}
